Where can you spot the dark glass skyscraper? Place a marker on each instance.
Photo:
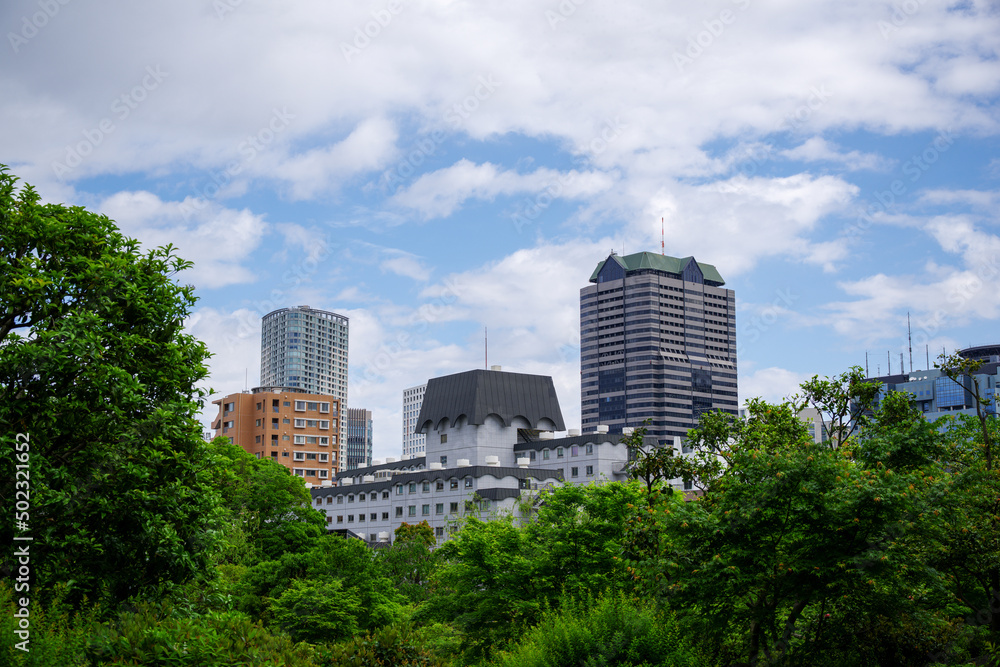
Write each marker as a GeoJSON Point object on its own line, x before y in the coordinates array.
{"type": "Point", "coordinates": [658, 342]}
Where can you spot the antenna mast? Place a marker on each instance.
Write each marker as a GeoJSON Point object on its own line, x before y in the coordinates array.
{"type": "Point", "coordinates": [486, 348]}
{"type": "Point", "coordinates": [909, 337]}
{"type": "Point", "coordinates": [662, 242]}
{"type": "Point", "coordinates": [866, 364]}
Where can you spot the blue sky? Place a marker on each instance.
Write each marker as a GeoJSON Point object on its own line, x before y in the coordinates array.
{"type": "Point", "coordinates": [433, 168]}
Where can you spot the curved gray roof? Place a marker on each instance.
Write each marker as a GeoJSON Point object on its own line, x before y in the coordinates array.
{"type": "Point", "coordinates": [478, 393]}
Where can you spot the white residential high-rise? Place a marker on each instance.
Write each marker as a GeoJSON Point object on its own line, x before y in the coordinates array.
{"type": "Point", "coordinates": [413, 443]}
{"type": "Point", "coordinates": [306, 348]}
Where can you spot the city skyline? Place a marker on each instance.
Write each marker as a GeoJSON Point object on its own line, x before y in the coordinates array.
{"type": "Point", "coordinates": [436, 170]}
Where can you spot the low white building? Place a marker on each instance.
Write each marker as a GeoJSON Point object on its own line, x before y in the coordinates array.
{"type": "Point", "coordinates": [490, 443]}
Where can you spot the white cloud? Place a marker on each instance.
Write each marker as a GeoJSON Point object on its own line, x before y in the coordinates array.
{"type": "Point", "coordinates": [817, 149]}
{"type": "Point", "coordinates": [439, 194]}
{"type": "Point", "coordinates": [772, 384]}
{"type": "Point", "coordinates": [218, 240]}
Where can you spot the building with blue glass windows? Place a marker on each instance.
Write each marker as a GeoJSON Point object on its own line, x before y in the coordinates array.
{"type": "Point", "coordinates": [657, 342]}
{"type": "Point", "coordinates": [935, 394]}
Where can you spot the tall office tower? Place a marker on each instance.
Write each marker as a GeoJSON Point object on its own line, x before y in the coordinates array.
{"type": "Point", "coordinates": [304, 348]}
{"type": "Point", "coordinates": [359, 438]}
{"type": "Point", "coordinates": [658, 342]}
{"type": "Point", "coordinates": [413, 443]}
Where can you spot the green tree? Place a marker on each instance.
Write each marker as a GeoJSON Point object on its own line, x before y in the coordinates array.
{"type": "Point", "coordinates": [317, 611]}
{"type": "Point", "coordinates": [331, 559]}
{"type": "Point", "coordinates": [785, 532]}
{"type": "Point", "coordinates": [272, 506]}
{"type": "Point", "coordinates": [97, 378]}
{"type": "Point", "coordinates": [971, 546]}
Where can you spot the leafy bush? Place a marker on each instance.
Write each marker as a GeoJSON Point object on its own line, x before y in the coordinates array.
{"type": "Point", "coordinates": [612, 630]}
{"type": "Point", "coordinates": [397, 645]}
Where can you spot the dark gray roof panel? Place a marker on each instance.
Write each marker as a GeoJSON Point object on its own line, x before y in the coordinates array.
{"type": "Point", "coordinates": [476, 394]}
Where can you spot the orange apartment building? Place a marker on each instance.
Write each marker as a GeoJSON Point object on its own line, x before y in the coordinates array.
{"type": "Point", "coordinates": [295, 429]}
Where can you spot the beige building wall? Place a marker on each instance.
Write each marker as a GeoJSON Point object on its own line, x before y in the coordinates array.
{"type": "Point", "coordinates": [298, 430]}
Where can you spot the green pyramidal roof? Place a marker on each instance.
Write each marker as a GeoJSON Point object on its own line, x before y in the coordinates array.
{"type": "Point", "coordinates": [665, 263]}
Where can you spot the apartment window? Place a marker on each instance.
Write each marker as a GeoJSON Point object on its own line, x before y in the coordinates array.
{"type": "Point", "coordinates": [324, 440]}
{"type": "Point", "coordinates": [545, 455]}
{"type": "Point", "coordinates": [299, 456]}
{"type": "Point", "coordinates": [531, 455]}
{"type": "Point", "coordinates": [274, 424]}
{"type": "Point", "coordinates": [453, 484]}
{"type": "Point", "coordinates": [321, 473]}
{"type": "Point", "coordinates": [310, 457]}
{"type": "Point", "coordinates": [325, 407]}
{"type": "Point", "coordinates": [287, 404]}
{"type": "Point", "coordinates": [300, 406]}
{"type": "Point", "coordinates": [444, 437]}
{"type": "Point", "coordinates": [468, 482]}
{"type": "Point", "coordinates": [385, 516]}
{"type": "Point", "coordinates": [574, 450]}
{"type": "Point", "coordinates": [399, 511]}
{"type": "Point", "coordinates": [350, 518]}
{"type": "Point", "coordinates": [329, 500]}
{"type": "Point", "coordinates": [361, 518]}
{"type": "Point", "coordinates": [426, 487]}
{"type": "Point", "coordinates": [411, 510]}
{"type": "Point", "coordinates": [373, 516]}
{"type": "Point", "coordinates": [329, 519]}
{"type": "Point", "coordinates": [439, 531]}
{"type": "Point", "coordinates": [469, 506]}
{"type": "Point", "coordinates": [385, 496]}
{"type": "Point", "coordinates": [257, 440]}
{"type": "Point", "coordinates": [258, 408]}
{"type": "Point", "coordinates": [439, 486]}
{"type": "Point", "coordinates": [688, 485]}
{"type": "Point", "coordinates": [413, 487]}
{"type": "Point", "coordinates": [453, 508]}
{"type": "Point", "coordinates": [340, 519]}
{"type": "Point", "coordinates": [399, 489]}
{"type": "Point", "coordinates": [310, 473]}
{"type": "Point", "coordinates": [439, 508]}
{"type": "Point", "coordinates": [574, 472]}
{"type": "Point", "coordinates": [274, 405]}
{"type": "Point", "coordinates": [425, 510]}
{"type": "Point", "coordinates": [274, 455]}
{"type": "Point", "coordinates": [350, 498]}
{"type": "Point", "coordinates": [590, 449]}
{"type": "Point", "coordinates": [312, 406]}
{"type": "Point", "coordinates": [444, 461]}
{"type": "Point", "coordinates": [559, 452]}
{"type": "Point", "coordinates": [284, 454]}
{"type": "Point", "coordinates": [590, 471]}
{"type": "Point", "coordinates": [323, 458]}
{"type": "Point", "coordinates": [298, 471]}
{"type": "Point", "coordinates": [257, 423]}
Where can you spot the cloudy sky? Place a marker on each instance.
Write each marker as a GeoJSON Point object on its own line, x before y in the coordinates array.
{"type": "Point", "coordinates": [431, 168]}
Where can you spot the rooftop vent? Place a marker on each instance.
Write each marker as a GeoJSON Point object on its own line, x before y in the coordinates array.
{"type": "Point", "coordinates": [368, 478]}
{"type": "Point", "coordinates": [495, 368]}
{"type": "Point", "coordinates": [463, 463]}
{"type": "Point", "coordinates": [492, 460]}
{"type": "Point", "coordinates": [523, 463]}
{"type": "Point", "coordinates": [573, 432]}
{"type": "Point", "coordinates": [602, 428]}
{"type": "Point", "coordinates": [436, 466]}
{"type": "Point", "coordinates": [390, 459]}
{"type": "Point", "coordinates": [546, 435]}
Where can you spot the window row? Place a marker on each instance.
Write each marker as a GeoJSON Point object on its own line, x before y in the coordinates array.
{"type": "Point", "coordinates": [411, 511]}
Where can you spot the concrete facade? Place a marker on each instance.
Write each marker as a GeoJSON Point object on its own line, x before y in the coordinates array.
{"type": "Point", "coordinates": [413, 442]}
{"type": "Point", "coordinates": [293, 428]}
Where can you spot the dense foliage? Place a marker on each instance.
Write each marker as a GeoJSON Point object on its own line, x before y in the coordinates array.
{"type": "Point", "coordinates": [152, 547]}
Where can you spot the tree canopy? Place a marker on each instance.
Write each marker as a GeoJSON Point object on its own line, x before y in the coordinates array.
{"type": "Point", "coordinates": [98, 375]}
